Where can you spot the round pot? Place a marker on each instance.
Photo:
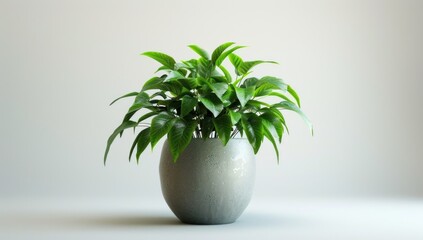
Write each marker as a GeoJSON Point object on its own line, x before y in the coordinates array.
{"type": "Point", "coordinates": [209, 183]}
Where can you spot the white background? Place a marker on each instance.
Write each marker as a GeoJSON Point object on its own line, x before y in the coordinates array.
{"type": "Point", "coordinates": [356, 64]}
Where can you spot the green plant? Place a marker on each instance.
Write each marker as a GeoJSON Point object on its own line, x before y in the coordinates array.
{"type": "Point", "coordinates": [199, 98]}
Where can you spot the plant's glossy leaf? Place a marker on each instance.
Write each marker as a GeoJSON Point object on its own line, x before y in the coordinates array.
{"type": "Point", "coordinates": [180, 136]}
{"type": "Point", "coordinates": [280, 95]}
{"type": "Point", "coordinates": [219, 89]}
{"type": "Point", "coordinates": [235, 117]}
{"type": "Point", "coordinates": [244, 94]}
{"type": "Point", "coordinates": [258, 104]}
{"type": "Point", "coordinates": [213, 104]}
{"type": "Point", "coordinates": [223, 125]}
{"type": "Point", "coordinates": [160, 125]}
{"type": "Point", "coordinates": [236, 62]}
{"type": "Point", "coordinates": [226, 73]}
{"type": "Point", "coordinates": [277, 83]}
{"type": "Point", "coordinates": [141, 100]}
{"type": "Point", "coordinates": [263, 90]}
{"type": "Point", "coordinates": [122, 127]}
{"type": "Point", "coordinates": [291, 106]}
{"type": "Point", "coordinates": [253, 128]}
{"type": "Point", "coordinates": [162, 58]}
{"type": "Point", "coordinates": [187, 105]}
{"type": "Point", "coordinates": [279, 115]}
{"type": "Point", "coordinates": [272, 122]}
{"type": "Point", "coordinates": [132, 94]}
{"type": "Point", "coordinates": [163, 68]}
{"type": "Point", "coordinates": [269, 136]}
{"type": "Point", "coordinates": [203, 53]}
{"type": "Point", "coordinates": [147, 115]}
{"type": "Point", "coordinates": [295, 95]}
{"type": "Point", "coordinates": [246, 66]}
{"type": "Point", "coordinates": [189, 83]}
{"type": "Point", "coordinates": [174, 87]}
{"type": "Point", "coordinates": [229, 97]}
{"type": "Point", "coordinates": [223, 56]}
{"type": "Point", "coordinates": [153, 83]}
{"type": "Point", "coordinates": [143, 141]}
{"type": "Point", "coordinates": [205, 68]}
{"type": "Point", "coordinates": [219, 50]}
{"type": "Point", "coordinates": [159, 94]}
{"type": "Point", "coordinates": [250, 82]}
{"type": "Point", "coordinates": [173, 75]}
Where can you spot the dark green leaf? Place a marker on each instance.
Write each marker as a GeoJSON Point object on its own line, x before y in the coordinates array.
{"type": "Point", "coordinates": [244, 94]}
{"type": "Point", "coordinates": [253, 128]}
{"type": "Point", "coordinates": [213, 104]}
{"type": "Point", "coordinates": [180, 136]}
{"type": "Point", "coordinates": [189, 83]}
{"type": "Point", "coordinates": [162, 58]}
{"type": "Point", "coordinates": [219, 50]}
{"type": "Point", "coordinates": [122, 127]}
{"type": "Point", "coordinates": [147, 115]}
{"type": "Point", "coordinates": [206, 127]}
{"type": "Point", "coordinates": [132, 94]}
{"type": "Point", "coordinates": [143, 142]}
{"type": "Point", "coordinates": [199, 51]}
{"type": "Point", "coordinates": [187, 105]}
{"type": "Point", "coordinates": [223, 125]}
{"type": "Point", "coordinates": [160, 125]}
{"type": "Point", "coordinates": [153, 83]}
{"type": "Point", "coordinates": [141, 100]}
{"type": "Point", "coordinates": [295, 95]}
{"type": "Point", "coordinates": [223, 56]}
{"type": "Point", "coordinates": [269, 136]}
{"type": "Point", "coordinates": [272, 122]}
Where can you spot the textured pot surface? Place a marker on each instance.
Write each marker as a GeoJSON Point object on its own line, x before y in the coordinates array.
{"type": "Point", "coordinates": [210, 183]}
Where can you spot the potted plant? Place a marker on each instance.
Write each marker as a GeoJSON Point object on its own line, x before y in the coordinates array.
{"type": "Point", "coordinates": [215, 122]}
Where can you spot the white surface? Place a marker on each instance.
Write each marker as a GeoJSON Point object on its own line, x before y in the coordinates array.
{"type": "Point", "coordinates": [142, 219]}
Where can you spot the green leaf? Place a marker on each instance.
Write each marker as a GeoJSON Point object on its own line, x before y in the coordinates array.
{"type": "Point", "coordinates": [189, 83]}
{"type": "Point", "coordinates": [272, 122]}
{"type": "Point", "coordinates": [280, 95]}
{"type": "Point", "coordinates": [244, 94]}
{"type": "Point", "coordinates": [250, 82]}
{"type": "Point", "coordinates": [147, 115]}
{"type": "Point", "coordinates": [173, 75]}
{"type": "Point", "coordinates": [206, 127]}
{"type": "Point", "coordinates": [180, 136]}
{"type": "Point", "coordinates": [153, 83]}
{"type": "Point", "coordinates": [235, 117]}
{"type": "Point", "coordinates": [199, 51]}
{"type": "Point", "coordinates": [295, 95]}
{"type": "Point", "coordinates": [143, 142]}
{"type": "Point", "coordinates": [213, 104]}
{"type": "Point", "coordinates": [229, 97]}
{"type": "Point", "coordinates": [122, 127]}
{"type": "Point", "coordinates": [187, 105]}
{"type": "Point", "coordinates": [274, 82]}
{"type": "Point", "coordinates": [219, 88]}
{"type": "Point", "coordinates": [162, 58]}
{"type": "Point", "coordinates": [236, 62]}
{"type": "Point", "coordinates": [223, 125]}
{"type": "Point", "coordinates": [219, 50]}
{"type": "Point", "coordinates": [205, 67]}
{"type": "Point", "coordinates": [246, 66]}
{"type": "Point", "coordinates": [141, 100]}
{"type": "Point", "coordinates": [269, 136]}
{"type": "Point", "coordinates": [253, 128]}
{"type": "Point", "coordinates": [160, 126]}
{"type": "Point", "coordinates": [132, 94]}
{"type": "Point", "coordinates": [226, 73]}
{"type": "Point", "coordinates": [223, 56]}
{"type": "Point", "coordinates": [291, 106]}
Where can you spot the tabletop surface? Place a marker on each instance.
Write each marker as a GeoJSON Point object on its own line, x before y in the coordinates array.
{"type": "Point", "coordinates": [106, 218]}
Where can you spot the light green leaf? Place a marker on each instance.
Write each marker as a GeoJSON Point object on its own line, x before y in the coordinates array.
{"type": "Point", "coordinates": [203, 53]}
{"type": "Point", "coordinates": [180, 136]}
{"type": "Point", "coordinates": [253, 128]}
{"type": "Point", "coordinates": [246, 66]}
{"type": "Point", "coordinates": [219, 88]}
{"type": "Point", "coordinates": [295, 95]}
{"type": "Point", "coordinates": [173, 75]}
{"type": "Point", "coordinates": [274, 82]}
{"type": "Point", "coordinates": [160, 125]}
{"type": "Point", "coordinates": [132, 94]}
{"type": "Point", "coordinates": [187, 105]}
{"type": "Point", "coordinates": [235, 117]}
{"type": "Point", "coordinates": [244, 94]}
{"type": "Point", "coordinates": [223, 56]}
{"type": "Point", "coordinates": [219, 50]}
{"type": "Point", "coordinates": [122, 127]}
{"type": "Point", "coordinates": [162, 58]}
{"type": "Point", "coordinates": [291, 106]}
{"type": "Point", "coordinates": [236, 62]}
{"type": "Point", "coordinates": [153, 83]}
{"type": "Point", "coordinates": [205, 67]}
{"type": "Point", "coordinates": [280, 95]}
{"type": "Point", "coordinates": [213, 104]}
{"type": "Point", "coordinates": [226, 73]}
{"type": "Point", "coordinates": [223, 125]}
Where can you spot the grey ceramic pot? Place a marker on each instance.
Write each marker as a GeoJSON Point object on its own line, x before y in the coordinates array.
{"type": "Point", "coordinates": [210, 183]}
